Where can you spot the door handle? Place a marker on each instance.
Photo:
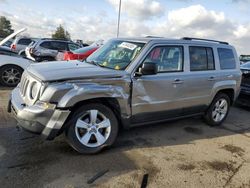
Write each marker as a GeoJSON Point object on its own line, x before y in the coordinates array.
{"type": "Point", "coordinates": [230, 76]}
{"type": "Point", "coordinates": [211, 78]}
{"type": "Point", "coordinates": [178, 81]}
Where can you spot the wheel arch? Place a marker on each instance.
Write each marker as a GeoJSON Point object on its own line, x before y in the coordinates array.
{"type": "Point", "coordinates": [229, 92]}
{"type": "Point", "coordinates": [110, 102]}
{"type": "Point", "coordinates": [11, 64]}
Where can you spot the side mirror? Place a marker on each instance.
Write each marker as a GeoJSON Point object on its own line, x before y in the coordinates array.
{"type": "Point", "coordinates": [149, 68]}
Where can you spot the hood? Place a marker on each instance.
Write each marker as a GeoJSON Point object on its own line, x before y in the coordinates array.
{"type": "Point", "coordinates": [12, 35]}
{"type": "Point", "coordinates": [70, 70]}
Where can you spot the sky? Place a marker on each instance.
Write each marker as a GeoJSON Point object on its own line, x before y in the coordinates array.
{"type": "Point", "coordinates": [91, 20]}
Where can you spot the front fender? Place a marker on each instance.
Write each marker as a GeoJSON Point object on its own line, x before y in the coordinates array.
{"type": "Point", "coordinates": [79, 92]}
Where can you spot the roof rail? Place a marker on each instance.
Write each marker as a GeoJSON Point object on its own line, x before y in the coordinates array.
{"type": "Point", "coordinates": [209, 40]}
{"type": "Point", "coordinates": [57, 39]}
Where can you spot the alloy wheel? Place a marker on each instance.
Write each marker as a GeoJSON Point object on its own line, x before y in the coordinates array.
{"type": "Point", "coordinates": [11, 76]}
{"type": "Point", "coordinates": [93, 128]}
{"type": "Point", "coordinates": [220, 110]}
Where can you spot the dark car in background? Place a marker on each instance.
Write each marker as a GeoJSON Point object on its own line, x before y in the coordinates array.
{"type": "Point", "coordinates": [47, 49]}
{"type": "Point", "coordinates": [244, 59]}
{"type": "Point", "coordinates": [7, 51]}
{"type": "Point", "coordinates": [8, 43]}
{"type": "Point", "coordinates": [244, 97]}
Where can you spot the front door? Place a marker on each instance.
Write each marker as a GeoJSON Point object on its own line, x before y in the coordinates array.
{"type": "Point", "coordinates": [155, 97]}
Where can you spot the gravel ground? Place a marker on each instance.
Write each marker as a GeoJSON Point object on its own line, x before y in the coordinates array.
{"type": "Point", "coordinates": [184, 153]}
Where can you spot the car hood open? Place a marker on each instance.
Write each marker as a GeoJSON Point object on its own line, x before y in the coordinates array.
{"type": "Point", "coordinates": [70, 70]}
{"type": "Point", "coordinates": [12, 36]}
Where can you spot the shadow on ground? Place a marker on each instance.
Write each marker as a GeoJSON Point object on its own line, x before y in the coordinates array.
{"type": "Point", "coordinates": [26, 159]}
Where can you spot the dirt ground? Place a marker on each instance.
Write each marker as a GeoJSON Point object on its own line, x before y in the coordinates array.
{"type": "Point", "coordinates": [184, 153]}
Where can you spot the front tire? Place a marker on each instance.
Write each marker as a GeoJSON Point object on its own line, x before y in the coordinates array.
{"type": "Point", "coordinates": [218, 110]}
{"type": "Point", "coordinates": [10, 75]}
{"type": "Point", "coordinates": [91, 128]}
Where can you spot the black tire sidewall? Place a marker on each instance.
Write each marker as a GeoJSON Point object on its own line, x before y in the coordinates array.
{"type": "Point", "coordinates": [70, 128]}
{"type": "Point", "coordinates": [208, 116]}
{"type": "Point", "coordinates": [2, 69]}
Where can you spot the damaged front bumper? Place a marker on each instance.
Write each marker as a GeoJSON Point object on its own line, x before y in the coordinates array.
{"type": "Point", "coordinates": [40, 119]}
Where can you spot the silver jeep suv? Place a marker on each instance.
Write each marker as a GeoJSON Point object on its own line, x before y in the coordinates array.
{"type": "Point", "coordinates": [127, 82]}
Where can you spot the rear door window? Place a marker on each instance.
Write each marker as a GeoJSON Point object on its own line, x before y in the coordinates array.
{"type": "Point", "coordinates": [226, 57]}
{"type": "Point", "coordinates": [24, 41]}
{"type": "Point", "coordinates": [60, 46]}
{"type": "Point", "coordinates": [46, 44]}
{"type": "Point", "coordinates": [201, 58]}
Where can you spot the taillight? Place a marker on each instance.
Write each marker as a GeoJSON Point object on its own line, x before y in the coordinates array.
{"type": "Point", "coordinates": [13, 46]}
{"type": "Point", "coordinates": [69, 56]}
{"type": "Point", "coordinates": [31, 50]}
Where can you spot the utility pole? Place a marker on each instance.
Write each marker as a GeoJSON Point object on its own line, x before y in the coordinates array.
{"type": "Point", "coordinates": [119, 15]}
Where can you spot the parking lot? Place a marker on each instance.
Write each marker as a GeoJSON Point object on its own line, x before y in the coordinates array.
{"type": "Point", "coordinates": [184, 153]}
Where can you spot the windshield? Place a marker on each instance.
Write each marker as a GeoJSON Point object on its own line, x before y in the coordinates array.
{"type": "Point", "coordinates": [116, 54]}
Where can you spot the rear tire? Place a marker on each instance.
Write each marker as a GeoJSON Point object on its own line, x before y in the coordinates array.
{"type": "Point", "coordinates": [92, 128]}
{"type": "Point", "coordinates": [10, 75]}
{"type": "Point", "coordinates": [218, 110]}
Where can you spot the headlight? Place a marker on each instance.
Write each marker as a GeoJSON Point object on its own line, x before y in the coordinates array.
{"type": "Point", "coordinates": [34, 90]}
{"type": "Point", "coordinates": [45, 105]}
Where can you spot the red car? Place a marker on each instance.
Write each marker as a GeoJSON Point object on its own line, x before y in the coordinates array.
{"type": "Point", "coordinates": [81, 53]}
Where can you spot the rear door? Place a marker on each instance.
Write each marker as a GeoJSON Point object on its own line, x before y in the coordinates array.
{"type": "Point", "coordinates": [48, 49]}
{"type": "Point", "coordinates": [200, 80]}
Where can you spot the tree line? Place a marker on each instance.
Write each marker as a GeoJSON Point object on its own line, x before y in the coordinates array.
{"type": "Point", "coordinates": [6, 29]}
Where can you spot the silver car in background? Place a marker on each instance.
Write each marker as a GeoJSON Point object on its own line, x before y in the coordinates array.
{"type": "Point", "coordinates": [47, 49]}
{"type": "Point", "coordinates": [20, 43]}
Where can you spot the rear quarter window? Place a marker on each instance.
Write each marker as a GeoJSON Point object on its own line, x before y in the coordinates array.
{"type": "Point", "coordinates": [60, 46]}
{"type": "Point", "coordinates": [73, 46]}
{"type": "Point", "coordinates": [46, 45]}
{"type": "Point", "coordinates": [226, 57]}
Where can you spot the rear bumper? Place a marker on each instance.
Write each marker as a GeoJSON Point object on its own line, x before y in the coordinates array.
{"type": "Point", "coordinates": [36, 119]}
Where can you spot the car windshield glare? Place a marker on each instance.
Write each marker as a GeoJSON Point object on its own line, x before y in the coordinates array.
{"type": "Point", "coordinates": [246, 65]}
{"type": "Point", "coordinates": [116, 54]}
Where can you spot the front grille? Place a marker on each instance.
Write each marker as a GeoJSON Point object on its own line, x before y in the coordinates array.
{"type": "Point", "coordinates": [26, 86]}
